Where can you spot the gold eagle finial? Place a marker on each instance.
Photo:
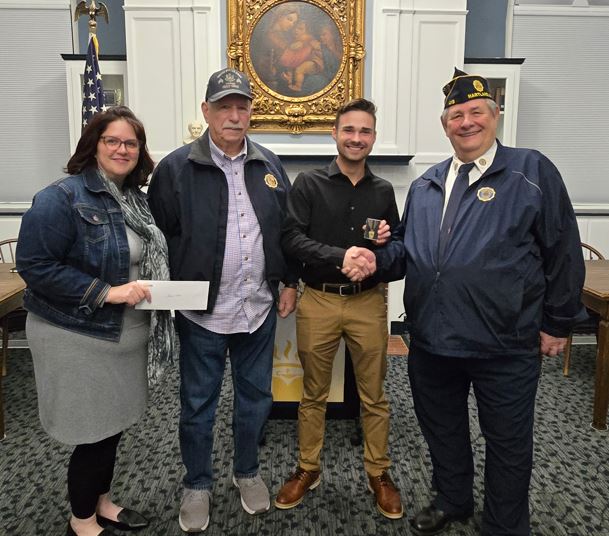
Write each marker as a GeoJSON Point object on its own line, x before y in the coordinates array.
{"type": "Point", "coordinates": [93, 11]}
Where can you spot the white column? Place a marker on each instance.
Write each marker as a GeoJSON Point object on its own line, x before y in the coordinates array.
{"type": "Point", "coordinates": [172, 48]}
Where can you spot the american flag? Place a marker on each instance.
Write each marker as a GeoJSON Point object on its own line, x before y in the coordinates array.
{"type": "Point", "coordinates": [92, 90]}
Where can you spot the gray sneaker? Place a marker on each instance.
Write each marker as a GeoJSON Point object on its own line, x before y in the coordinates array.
{"type": "Point", "coordinates": [194, 510]}
{"type": "Point", "coordinates": [255, 497]}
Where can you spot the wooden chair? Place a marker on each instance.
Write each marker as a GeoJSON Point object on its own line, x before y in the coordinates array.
{"type": "Point", "coordinates": [589, 326]}
{"type": "Point", "coordinates": [15, 320]}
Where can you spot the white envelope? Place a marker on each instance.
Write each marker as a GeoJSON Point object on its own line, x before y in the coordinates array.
{"type": "Point", "coordinates": [177, 295]}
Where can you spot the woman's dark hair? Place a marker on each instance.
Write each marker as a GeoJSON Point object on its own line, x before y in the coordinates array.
{"type": "Point", "coordinates": [84, 156]}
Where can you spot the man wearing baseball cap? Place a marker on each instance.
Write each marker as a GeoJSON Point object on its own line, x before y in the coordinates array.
{"type": "Point", "coordinates": [220, 202]}
{"type": "Point", "coordinates": [491, 249]}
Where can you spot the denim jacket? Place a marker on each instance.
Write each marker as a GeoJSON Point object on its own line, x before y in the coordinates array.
{"type": "Point", "coordinates": [72, 248]}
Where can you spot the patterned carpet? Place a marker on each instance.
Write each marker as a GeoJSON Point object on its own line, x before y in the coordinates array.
{"type": "Point", "coordinates": [569, 492]}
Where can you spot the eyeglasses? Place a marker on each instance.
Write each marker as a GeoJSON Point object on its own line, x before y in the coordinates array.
{"type": "Point", "coordinates": [114, 144]}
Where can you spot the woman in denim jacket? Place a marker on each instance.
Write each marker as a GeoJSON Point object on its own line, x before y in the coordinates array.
{"type": "Point", "coordinates": [82, 246]}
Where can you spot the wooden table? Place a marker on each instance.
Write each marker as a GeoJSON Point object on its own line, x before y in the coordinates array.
{"type": "Point", "coordinates": [596, 297]}
{"type": "Point", "coordinates": [11, 298]}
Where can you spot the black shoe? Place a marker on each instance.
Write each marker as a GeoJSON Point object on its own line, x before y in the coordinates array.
{"type": "Point", "coordinates": [127, 520]}
{"type": "Point", "coordinates": [105, 532]}
{"type": "Point", "coordinates": [431, 521]}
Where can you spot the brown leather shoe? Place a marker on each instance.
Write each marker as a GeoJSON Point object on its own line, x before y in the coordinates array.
{"type": "Point", "coordinates": [295, 487]}
{"type": "Point", "coordinates": [388, 499]}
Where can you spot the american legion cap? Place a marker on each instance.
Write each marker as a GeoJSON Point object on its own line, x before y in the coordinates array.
{"type": "Point", "coordinates": [227, 82]}
{"type": "Point", "coordinates": [465, 87]}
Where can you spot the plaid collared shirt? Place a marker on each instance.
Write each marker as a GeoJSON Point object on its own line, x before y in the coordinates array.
{"type": "Point", "coordinates": [244, 298]}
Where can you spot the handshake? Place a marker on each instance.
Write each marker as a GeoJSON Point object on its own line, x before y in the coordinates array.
{"type": "Point", "coordinates": [359, 263]}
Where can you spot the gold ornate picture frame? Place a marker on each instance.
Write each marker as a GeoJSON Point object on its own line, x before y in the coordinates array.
{"type": "Point", "coordinates": [303, 57]}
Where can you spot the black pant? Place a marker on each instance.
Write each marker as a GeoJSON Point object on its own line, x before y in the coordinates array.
{"type": "Point", "coordinates": [505, 391]}
{"type": "Point", "coordinates": [90, 474]}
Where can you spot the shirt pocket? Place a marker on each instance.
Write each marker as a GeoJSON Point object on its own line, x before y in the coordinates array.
{"type": "Point", "coordinates": [96, 223]}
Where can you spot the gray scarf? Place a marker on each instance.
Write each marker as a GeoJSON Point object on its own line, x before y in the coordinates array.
{"type": "Point", "coordinates": [154, 265]}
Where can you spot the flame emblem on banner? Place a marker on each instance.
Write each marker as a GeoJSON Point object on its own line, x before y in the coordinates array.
{"type": "Point", "coordinates": [286, 365]}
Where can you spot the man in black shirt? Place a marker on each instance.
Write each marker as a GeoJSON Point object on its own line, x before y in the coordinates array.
{"type": "Point", "coordinates": [323, 230]}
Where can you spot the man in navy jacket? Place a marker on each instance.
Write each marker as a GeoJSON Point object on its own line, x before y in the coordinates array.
{"type": "Point", "coordinates": [221, 201]}
{"type": "Point", "coordinates": [491, 252]}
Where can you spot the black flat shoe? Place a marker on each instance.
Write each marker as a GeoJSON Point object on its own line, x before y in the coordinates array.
{"type": "Point", "coordinates": [105, 532]}
{"type": "Point", "coordinates": [430, 521]}
{"type": "Point", "coordinates": [127, 520]}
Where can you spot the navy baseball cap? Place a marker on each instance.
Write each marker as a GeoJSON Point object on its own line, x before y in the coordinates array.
{"type": "Point", "coordinates": [227, 82]}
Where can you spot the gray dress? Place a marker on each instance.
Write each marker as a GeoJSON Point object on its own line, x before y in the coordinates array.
{"type": "Point", "coordinates": [90, 389]}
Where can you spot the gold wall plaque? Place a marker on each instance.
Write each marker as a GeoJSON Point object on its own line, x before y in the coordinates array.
{"type": "Point", "coordinates": [304, 59]}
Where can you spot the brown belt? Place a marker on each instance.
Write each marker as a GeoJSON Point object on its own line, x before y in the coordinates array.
{"type": "Point", "coordinates": [343, 289]}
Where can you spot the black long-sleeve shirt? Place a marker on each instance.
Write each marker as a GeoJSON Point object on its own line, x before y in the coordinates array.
{"type": "Point", "coordinates": [326, 213]}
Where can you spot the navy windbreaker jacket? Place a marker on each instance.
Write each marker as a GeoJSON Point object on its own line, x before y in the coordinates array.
{"type": "Point", "coordinates": [188, 197]}
{"type": "Point", "coordinates": [512, 267]}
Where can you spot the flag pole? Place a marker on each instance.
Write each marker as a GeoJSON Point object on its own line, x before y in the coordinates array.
{"type": "Point", "coordinates": [92, 91]}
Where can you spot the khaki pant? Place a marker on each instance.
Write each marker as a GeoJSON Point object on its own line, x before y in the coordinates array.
{"type": "Point", "coordinates": [321, 320]}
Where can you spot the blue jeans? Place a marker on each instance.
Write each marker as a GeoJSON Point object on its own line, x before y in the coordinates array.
{"type": "Point", "coordinates": [202, 361]}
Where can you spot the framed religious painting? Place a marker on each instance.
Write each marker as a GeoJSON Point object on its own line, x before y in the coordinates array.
{"type": "Point", "coordinates": [304, 59]}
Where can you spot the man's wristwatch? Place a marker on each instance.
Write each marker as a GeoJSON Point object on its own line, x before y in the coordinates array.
{"type": "Point", "coordinates": [291, 285]}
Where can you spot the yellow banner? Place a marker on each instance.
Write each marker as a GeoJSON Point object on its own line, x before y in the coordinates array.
{"type": "Point", "coordinates": [287, 371]}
